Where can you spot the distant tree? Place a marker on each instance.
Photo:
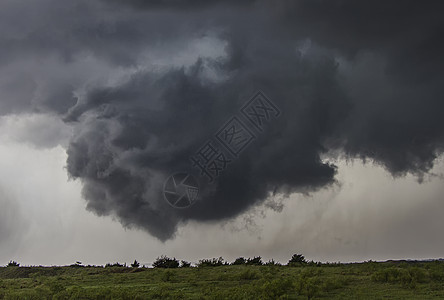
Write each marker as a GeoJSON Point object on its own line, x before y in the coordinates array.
{"type": "Point", "coordinates": [78, 264]}
{"type": "Point", "coordinates": [213, 262]}
{"type": "Point", "coordinates": [297, 259]}
{"type": "Point", "coordinates": [114, 265]}
{"type": "Point", "coordinates": [312, 263]}
{"type": "Point", "coordinates": [135, 264]}
{"type": "Point", "coordinates": [13, 264]}
{"type": "Point", "coordinates": [271, 262]}
{"type": "Point", "coordinates": [256, 261]}
{"type": "Point", "coordinates": [184, 264]}
{"type": "Point", "coordinates": [165, 262]}
{"type": "Point", "coordinates": [239, 261]}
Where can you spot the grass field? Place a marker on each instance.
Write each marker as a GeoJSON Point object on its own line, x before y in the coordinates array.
{"type": "Point", "coordinates": [369, 280]}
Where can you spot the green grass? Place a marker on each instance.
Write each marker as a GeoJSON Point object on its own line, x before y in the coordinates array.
{"type": "Point", "coordinates": [370, 280]}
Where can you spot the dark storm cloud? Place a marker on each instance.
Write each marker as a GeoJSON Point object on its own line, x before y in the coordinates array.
{"type": "Point", "coordinates": [44, 57]}
{"type": "Point", "coordinates": [141, 132]}
{"type": "Point", "coordinates": [398, 91]}
{"type": "Point", "coordinates": [363, 79]}
{"type": "Point", "coordinates": [178, 4]}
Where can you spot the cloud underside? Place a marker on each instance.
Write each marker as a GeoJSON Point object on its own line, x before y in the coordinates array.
{"type": "Point", "coordinates": [144, 84]}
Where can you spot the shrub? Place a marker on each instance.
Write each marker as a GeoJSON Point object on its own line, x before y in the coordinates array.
{"type": "Point", "coordinates": [436, 275]}
{"type": "Point", "coordinates": [314, 263]}
{"type": "Point", "coordinates": [331, 284]}
{"type": "Point", "coordinates": [239, 261]}
{"type": "Point", "coordinates": [184, 264]}
{"type": "Point", "coordinates": [165, 262]}
{"type": "Point", "coordinates": [297, 259]}
{"type": "Point", "coordinates": [391, 274]}
{"type": "Point", "coordinates": [271, 262]}
{"type": "Point", "coordinates": [308, 286]}
{"type": "Point", "coordinates": [108, 265]}
{"type": "Point", "coordinates": [255, 261]}
{"type": "Point", "coordinates": [135, 264]}
{"type": "Point", "coordinates": [249, 274]}
{"type": "Point", "coordinates": [213, 262]}
{"type": "Point", "coordinates": [78, 264]}
{"type": "Point", "coordinates": [13, 264]}
{"type": "Point", "coordinates": [311, 288]}
{"type": "Point", "coordinates": [276, 288]}
{"type": "Point", "coordinates": [407, 277]}
{"type": "Point", "coordinates": [419, 275]}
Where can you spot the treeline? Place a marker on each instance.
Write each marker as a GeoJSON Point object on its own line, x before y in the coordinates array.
{"type": "Point", "coordinates": [167, 262]}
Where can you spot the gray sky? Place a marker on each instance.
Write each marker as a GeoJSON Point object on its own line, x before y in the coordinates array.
{"type": "Point", "coordinates": [100, 101]}
{"type": "Point", "coordinates": [369, 215]}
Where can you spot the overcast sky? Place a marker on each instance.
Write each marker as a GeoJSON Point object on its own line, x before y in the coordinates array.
{"type": "Point", "coordinates": [101, 101]}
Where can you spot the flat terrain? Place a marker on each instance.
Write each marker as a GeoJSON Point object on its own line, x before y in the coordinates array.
{"type": "Point", "coordinates": [370, 280]}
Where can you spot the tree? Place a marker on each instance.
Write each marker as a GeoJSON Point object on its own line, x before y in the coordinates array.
{"type": "Point", "coordinates": [297, 259]}
{"type": "Point", "coordinates": [135, 264]}
{"type": "Point", "coordinates": [271, 262]}
{"type": "Point", "coordinates": [108, 265]}
{"type": "Point", "coordinates": [212, 262]}
{"type": "Point", "coordinates": [13, 264]}
{"type": "Point", "coordinates": [239, 261]}
{"type": "Point", "coordinates": [257, 261]}
{"type": "Point", "coordinates": [165, 262]}
{"type": "Point", "coordinates": [185, 264]}
{"type": "Point", "coordinates": [78, 264]}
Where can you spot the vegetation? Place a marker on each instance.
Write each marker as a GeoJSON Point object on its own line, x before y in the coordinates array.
{"type": "Point", "coordinates": [216, 279]}
{"type": "Point", "coordinates": [255, 261]}
{"type": "Point", "coordinates": [239, 261]}
{"type": "Point", "coordinates": [297, 259]}
{"type": "Point", "coordinates": [185, 264]}
{"type": "Point", "coordinates": [166, 262]}
{"type": "Point", "coordinates": [135, 264]}
{"type": "Point", "coordinates": [13, 264]}
{"type": "Point", "coordinates": [213, 262]}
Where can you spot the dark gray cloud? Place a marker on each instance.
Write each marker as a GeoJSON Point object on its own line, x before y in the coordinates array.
{"type": "Point", "coordinates": [59, 49]}
{"type": "Point", "coordinates": [177, 4]}
{"type": "Point", "coordinates": [133, 136]}
{"type": "Point", "coordinates": [397, 89]}
{"type": "Point", "coordinates": [361, 79]}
